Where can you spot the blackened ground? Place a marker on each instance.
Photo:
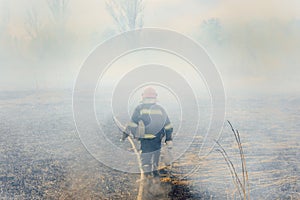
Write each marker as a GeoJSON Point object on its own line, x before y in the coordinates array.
{"type": "Point", "coordinates": [41, 156]}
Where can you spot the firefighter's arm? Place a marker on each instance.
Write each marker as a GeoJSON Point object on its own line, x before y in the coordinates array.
{"type": "Point", "coordinates": [133, 124]}
{"type": "Point", "coordinates": [168, 130]}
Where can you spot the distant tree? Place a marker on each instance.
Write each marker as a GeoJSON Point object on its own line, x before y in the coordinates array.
{"type": "Point", "coordinates": [59, 11]}
{"type": "Point", "coordinates": [4, 18]}
{"type": "Point", "coordinates": [60, 39]}
{"type": "Point", "coordinates": [128, 14]}
{"type": "Point", "coordinates": [211, 32]}
{"type": "Point", "coordinates": [35, 28]}
{"type": "Point", "coordinates": [33, 24]}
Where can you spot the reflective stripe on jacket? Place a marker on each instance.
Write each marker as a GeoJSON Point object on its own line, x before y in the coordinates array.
{"type": "Point", "coordinates": [156, 122]}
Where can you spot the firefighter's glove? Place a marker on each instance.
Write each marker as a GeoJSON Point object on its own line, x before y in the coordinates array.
{"type": "Point", "coordinates": [125, 135]}
{"type": "Point", "coordinates": [169, 144]}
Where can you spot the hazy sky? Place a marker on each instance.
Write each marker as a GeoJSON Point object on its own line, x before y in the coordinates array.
{"type": "Point", "coordinates": [258, 51]}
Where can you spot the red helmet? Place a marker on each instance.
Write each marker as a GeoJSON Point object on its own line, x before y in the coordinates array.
{"type": "Point", "coordinates": [149, 93]}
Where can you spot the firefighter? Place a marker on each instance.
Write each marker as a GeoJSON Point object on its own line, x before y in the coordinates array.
{"type": "Point", "coordinates": [150, 124]}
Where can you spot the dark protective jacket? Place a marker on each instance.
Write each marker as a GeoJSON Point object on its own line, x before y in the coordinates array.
{"type": "Point", "coordinates": [156, 123]}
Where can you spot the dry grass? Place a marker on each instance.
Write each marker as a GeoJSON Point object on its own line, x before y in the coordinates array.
{"type": "Point", "coordinates": [241, 183]}
{"type": "Point", "coordinates": [36, 133]}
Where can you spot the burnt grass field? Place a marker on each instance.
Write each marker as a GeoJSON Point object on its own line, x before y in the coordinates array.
{"type": "Point", "coordinates": [41, 156]}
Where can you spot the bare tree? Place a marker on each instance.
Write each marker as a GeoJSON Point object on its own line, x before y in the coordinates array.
{"type": "Point", "coordinates": [211, 32]}
{"type": "Point", "coordinates": [61, 39]}
{"type": "Point", "coordinates": [32, 25]}
{"type": "Point", "coordinates": [59, 11]}
{"type": "Point", "coordinates": [128, 14]}
{"type": "Point", "coordinates": [4, 17]}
